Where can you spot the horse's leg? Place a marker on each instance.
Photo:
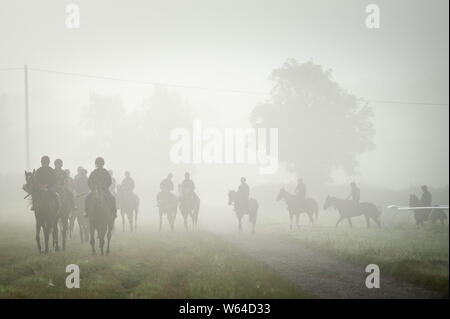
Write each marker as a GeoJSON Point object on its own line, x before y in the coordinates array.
{"type": "Point", "coordinates": [253, 223]}
{"type": "Point", "coordinates": [367, 221]}
{"type": "Point", "coordinates": [123, 220]}
{"type": "Point", "coordinates": [55, 237]}
{"type": "Point", "coordinates": [71, 225]}
{"type": "Point", "coordinates": [311, 218]}
{"type": "Point", "coordinates": [135, 219]}
{"type": "Point", "coordinates": [240, 223]}
{"type": "Point", "coordinates": [108, 236]}
{"type": "Point", "coordinates": [185, 220]}
{"type": "Point", "coordinates": [291, 217]}
{"type": "Point", "coordinates": [349, 221]}
{"type": "Point", "coordinates": [81, 229]}
{"type": "Point", "coordinates": [64, 232]}
{"type": "Point", "coordinates": [46, 228]}
{"type": "Point", "coordinates": [101, 240]}
{"type": "Point", "coordinates": [172, 221]}
{"type": "Point", "coordinates": [160, 220]}
{"type": "Point", "coordinates": [92, 235]}
{"type": "Point", "coordinates": [377, 220]}
{"type": "Point", "coordinates": [339, 220]}
{"type": "Point", "coordinates": [38, 236]}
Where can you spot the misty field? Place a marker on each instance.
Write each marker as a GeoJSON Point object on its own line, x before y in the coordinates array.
{"type": "Point", "coordinates": [419, 256]}
{"type": "Point", "coordinates": [141, 265]}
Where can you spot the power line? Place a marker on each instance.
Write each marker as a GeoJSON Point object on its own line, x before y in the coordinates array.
{"type": "Point", "coordinates": [149, 82]}
{"type": "Point", "coordinates": [183, 86]}
{"type": "Point", "coordinates": [10, 69]}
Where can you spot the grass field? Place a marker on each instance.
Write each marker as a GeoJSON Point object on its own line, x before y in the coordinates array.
{"type": "Point", "coordinates": [141, 265]}
{"type": "Point", "coordinates": [420, 256]}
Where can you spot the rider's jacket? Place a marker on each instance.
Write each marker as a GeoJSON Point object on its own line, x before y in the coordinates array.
{"type": "Point", "coordinates": [45, 175]}
{"type": "Point", "coordinates": [426, 199]}
{"type": "Point", "coordinates": [187, 186]}
{"type": "Point", "coordinates": [128, 184]}
{"type": "Point", "coordinates": [244, 191]}
{"type": "Point", "coordinates": [100, 177]}
{"type": "Point", "coordinates": [70, 184]}
{"type": "Point", "coordinates": [166, 185]}
{"type": "Point", "coordinates": [60, 176]}
{"type": "Point", "coordinates": [80, 183]}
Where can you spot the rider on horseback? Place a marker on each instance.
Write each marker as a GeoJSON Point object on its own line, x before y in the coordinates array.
{"type": "Point", "coordinates": [187, 186]}
{"type": "Point", "coordinates": [426, 199]}
{"type": "Point", "coordinates": [166, 187]}
{"type": "Point", "coordinates": [300, 190]}
{"type": "Point", "coordinates": [355, 193]}
{"type": "Point", "coordinates": [102, 179]}
{"type": "Point", "coordinates": [46, 179]}
{"type": "Point", "coordinates": [62, 184]}
{"type": "Point", "coordinates": [243, 193]}
{"type": "Point", "coordinates": [127, 183]}
{"type": "Point", "coordinates": [80, 182]}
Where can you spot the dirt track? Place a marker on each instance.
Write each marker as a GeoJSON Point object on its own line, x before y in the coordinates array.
{"type": "Point", "coordinates": [317, 274]}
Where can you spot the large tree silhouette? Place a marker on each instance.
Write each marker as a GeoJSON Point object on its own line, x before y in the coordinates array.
{"type": "Point", "coordinates": [321, 126]}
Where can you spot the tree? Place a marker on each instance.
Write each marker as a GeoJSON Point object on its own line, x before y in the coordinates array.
{"type": "Point", "coordinates": [321, 126]}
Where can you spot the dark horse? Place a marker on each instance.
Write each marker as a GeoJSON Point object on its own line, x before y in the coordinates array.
{"type": "Point", "coordinates": [348, 209]}
{"type": "Point", "coordinates": [168, 205]}
{"type": "Point", "coordinates": [78, 215]}
{"type": "Point", "coordinates": [64, 213]}
{"type": "Point", "coordinates": [296, 207]}
{"type": "Point", "coordinates": [189, 206]}
{"type": "Point", "coordinates": [100, 219]}
{"type": "Point", "coordinates": [423, 215]}
{"type": "Point", "coordinates": [129, 206]}
{"type": "Point", "coordinates": [45, 211]}
{"type": "Point", "coordinates": [251, 210]}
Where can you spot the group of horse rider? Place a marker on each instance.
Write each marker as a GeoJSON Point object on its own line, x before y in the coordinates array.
{"type": "Point", "coordinates": [61, 185]}
{"type": "Point", "coordinates": [186, 188]}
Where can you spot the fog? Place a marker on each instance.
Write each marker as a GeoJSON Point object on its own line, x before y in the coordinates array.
{"type": "Point", "coordinates": [213, 61]}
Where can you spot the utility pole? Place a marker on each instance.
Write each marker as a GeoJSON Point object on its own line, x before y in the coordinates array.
{"type": "Point", "coordinates": [27, 121]}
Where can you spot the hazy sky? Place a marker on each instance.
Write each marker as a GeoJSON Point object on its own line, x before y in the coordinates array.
{"type": "Point", "coordinates": [232, 44]}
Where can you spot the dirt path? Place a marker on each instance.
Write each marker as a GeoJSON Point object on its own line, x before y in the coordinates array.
{"type": "Point", "coordinates": [317, 274]}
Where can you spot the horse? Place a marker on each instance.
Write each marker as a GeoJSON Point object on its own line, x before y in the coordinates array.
{"type": "Point", "coordinates": [251, 209]}
{"type": "Point", "coordinates": [421, 216]}
{"type": "Point", "coordinates": [46, 206]}
{"type": "Point", "coordinates": [168, 205]}
{"type": "Point", "coordinates": [296, 207]}
{"type": "Point", "coordinates": [348, 209]}
{"type": "Point", "coordinates": [65, 212]}
{"type": "Point", "coordinates": [438, 214]}
{"type": "Point", "coordinates": [129, 206]}
{"type": "Point", "coordinates": [82, 220]}
{"type": "Point", "coordinates": [189, 206]}
{"type": "Point", "coordinates": [100, 219]}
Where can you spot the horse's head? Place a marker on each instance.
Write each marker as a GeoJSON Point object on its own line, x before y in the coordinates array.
{"type": "Point", "coordinates": [281, 194]}
{"type": "Point", "coordinates": [29, 181]}
{"type": "Point", "coordinates": [328, 202]}
{"type": "Point", "coordinates": [231, 197]}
